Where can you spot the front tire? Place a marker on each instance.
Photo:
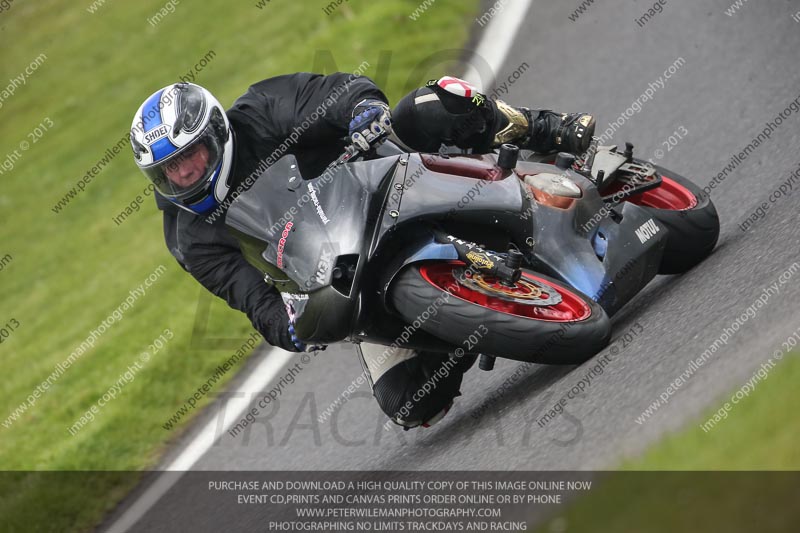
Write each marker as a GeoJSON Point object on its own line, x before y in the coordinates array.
{"type": "Point", "coordinates": [479, 315]}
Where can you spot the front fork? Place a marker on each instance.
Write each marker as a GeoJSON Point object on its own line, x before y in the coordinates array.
{"type": "Point", "coordinates": [479, 260]}
{"type": "Point", "coordinates": [507, 269]}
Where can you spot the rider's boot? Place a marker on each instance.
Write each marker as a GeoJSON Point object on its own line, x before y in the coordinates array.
{"type": "Point", "coordinates": [543, 131]}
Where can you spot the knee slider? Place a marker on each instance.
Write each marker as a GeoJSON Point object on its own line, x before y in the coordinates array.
{"type": "Point", "coordinates": [409, 394]}
{"type": "Point", "coordinates": [445, 111]}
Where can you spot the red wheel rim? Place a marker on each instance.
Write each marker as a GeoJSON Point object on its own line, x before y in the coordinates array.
{"type": "Point", "coordinates": [670, 195]}
{"type": "Point", "coordinates": [571, 308]}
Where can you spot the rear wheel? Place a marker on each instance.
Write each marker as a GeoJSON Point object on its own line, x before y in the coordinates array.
{"type": "Point", "coordinates": [690, 216]}
{"type": "Point", "coordinates": [538, 319]}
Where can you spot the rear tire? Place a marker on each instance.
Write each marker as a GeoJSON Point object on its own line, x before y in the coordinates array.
{"type": "Point", "coordinates": [693, 229]}
{"type": "Point", "coordinates": [568, 333]}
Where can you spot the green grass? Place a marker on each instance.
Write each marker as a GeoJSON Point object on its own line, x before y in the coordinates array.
{"type": "Point", "coordinates": [708, 481]}
{"type": "Point", "coordinates": [70, 270]}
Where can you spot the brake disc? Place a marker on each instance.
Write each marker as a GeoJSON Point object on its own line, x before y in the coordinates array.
{"type": "Point", "coordinates": [525, 291]}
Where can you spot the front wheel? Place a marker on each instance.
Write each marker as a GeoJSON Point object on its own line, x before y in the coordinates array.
{"type": "Point", "coordinates": [688, 214]}
{"type": "Point", "coordinates": [538, 320]}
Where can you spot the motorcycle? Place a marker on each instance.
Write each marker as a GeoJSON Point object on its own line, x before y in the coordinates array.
{"type": "Point", "coordinates": [508, 254]}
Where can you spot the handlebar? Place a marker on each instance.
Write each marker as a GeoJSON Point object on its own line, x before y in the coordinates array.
{"type": "Point", "coordinates": [350, 151]}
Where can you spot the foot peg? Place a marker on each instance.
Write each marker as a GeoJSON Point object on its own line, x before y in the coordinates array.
{"type": "Point", "coordinates": [486, 362]}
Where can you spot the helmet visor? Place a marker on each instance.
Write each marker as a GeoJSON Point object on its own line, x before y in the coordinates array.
{"type": "Point", "coordinates": [187, 173]}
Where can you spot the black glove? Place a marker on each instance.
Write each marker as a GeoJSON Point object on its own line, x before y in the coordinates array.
{"type": "Point", "coordinates": [298, 344]}
{"type": "Point", "coordinates": [371, 124]}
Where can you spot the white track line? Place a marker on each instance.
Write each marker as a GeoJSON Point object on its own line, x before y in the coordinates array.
{"type": "Point", "coordinates": [493, 48]}
{"type": "Point", "coordinates": [275, 361]}
{"type": "Point", "coordinates": [491, 52]}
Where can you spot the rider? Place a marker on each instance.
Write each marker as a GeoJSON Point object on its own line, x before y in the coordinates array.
{"type": "Point", "coordinates": [196, 154]}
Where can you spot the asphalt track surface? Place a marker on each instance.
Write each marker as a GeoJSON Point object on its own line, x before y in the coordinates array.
{"type": "Point", "coordinates": [738, 73]}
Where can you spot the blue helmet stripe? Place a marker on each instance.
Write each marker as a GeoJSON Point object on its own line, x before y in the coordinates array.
{"type": "Point", "coordinates": [207, 204]}
{"type": "Point", "coordinates": [151, 115]}
{"type": "Point", "coordinates": [163, 148]}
